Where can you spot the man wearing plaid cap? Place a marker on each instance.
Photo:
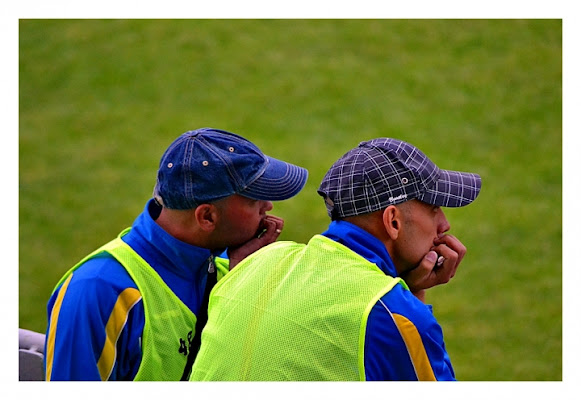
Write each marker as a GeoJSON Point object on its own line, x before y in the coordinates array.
{"type": "Point", "coordinates": [348, 305]}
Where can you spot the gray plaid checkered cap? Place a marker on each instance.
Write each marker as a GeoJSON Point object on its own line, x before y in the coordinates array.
{"type": "Point", "coordinates": [385, 171]}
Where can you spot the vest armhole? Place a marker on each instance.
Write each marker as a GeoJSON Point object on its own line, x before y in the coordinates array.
{"type": "Point", "coordinates": [363, 326]}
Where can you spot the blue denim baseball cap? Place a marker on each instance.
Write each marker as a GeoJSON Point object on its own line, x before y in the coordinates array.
{"type": "Point", "coordinates": [383, 172]}
{"type": "Point", "coordinates": [208, 164]}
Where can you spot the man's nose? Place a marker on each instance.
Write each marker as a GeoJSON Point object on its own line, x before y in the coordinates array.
{"type": "Point", "coordinates": [443, 224]}
{"type": "Point", "coordinates": [267, 206]}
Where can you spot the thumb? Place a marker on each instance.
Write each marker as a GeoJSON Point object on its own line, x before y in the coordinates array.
{"type": "Point", "coordinates": [419, 277]}
{"type": "Point", "coordinates": [431, 257]}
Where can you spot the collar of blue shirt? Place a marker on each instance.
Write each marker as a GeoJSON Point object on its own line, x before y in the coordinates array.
{"type": "Point", "coordinates": [362, 243]}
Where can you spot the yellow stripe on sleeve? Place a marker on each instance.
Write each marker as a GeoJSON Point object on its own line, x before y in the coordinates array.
{"type": "Point", "coordinates": [117, 320]}
{"type": "Point", "coordinates": [415, 348]}
{"type": "Point", "coordinates": [54, 316]}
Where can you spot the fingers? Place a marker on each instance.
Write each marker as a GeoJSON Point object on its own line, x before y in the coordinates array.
{"type": "Point", "coordinates": [422, 277]}
{"type": "Point", "coordinates": [454, 244]}
{"type": "Point", "coordinates": [430, 272]}
{"type": "Point", "coordinates": [448, 262]}
{"type": "Point", "coordinates": [278, 222]}
{"type": "Point", "coordinates": [438, 266]}
{"type": "Point", "coordinates": [453, 251]}
{"type": "Point", "coordinates": [271, 228]}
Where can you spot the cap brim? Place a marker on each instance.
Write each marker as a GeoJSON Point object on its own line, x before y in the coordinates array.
{"type": "Point", "coordinates": [280, 181]}
{"type": "Point", "coordinates": [453, 189]}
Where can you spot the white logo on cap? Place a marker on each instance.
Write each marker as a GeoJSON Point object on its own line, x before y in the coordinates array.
{"type": "Point", "coordinates": [401, 196]}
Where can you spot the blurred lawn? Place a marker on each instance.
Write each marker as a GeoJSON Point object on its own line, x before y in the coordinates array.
{"type": "Point", "coordinates": [100, 100]}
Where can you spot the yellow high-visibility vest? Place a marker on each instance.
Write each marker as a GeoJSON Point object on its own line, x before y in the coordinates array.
{"type": "Point", "coordinates": [169, 323]}
{"type": "Point", "coordinates": [291, 312]}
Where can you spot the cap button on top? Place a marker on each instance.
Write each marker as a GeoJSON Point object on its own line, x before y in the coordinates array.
{"type": "Point", "coordinates": [404, 181]}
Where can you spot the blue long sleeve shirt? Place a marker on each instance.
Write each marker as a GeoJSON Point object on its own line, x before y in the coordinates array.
{"type": "Point", "coordinates": [90, 302]}
{"type": "Point", "coordinates": [398, 322]}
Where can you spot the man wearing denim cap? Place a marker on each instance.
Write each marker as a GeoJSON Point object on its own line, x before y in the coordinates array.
{"type": "Point", "coordinates": [349, 305]}
{"type": "Point", "coordinates": [134, 309]}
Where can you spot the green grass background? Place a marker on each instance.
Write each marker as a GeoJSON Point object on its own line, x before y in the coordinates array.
{"type": "Point", "coordinates": [100, 100]}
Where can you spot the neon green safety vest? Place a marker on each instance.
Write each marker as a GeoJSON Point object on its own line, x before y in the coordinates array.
{"type": "Point", "coordinates": [291, 312]}
{"type": "Point", "coordinates": [169, 323]}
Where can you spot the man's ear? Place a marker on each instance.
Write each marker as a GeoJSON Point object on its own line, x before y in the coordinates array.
{"type": "Point", "coordinates": [206, 216]}
{"type": "Point", "coordinates": [392, 221]}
